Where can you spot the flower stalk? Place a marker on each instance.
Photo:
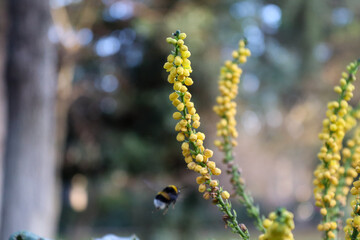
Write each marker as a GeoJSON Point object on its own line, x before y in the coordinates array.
{"type": "Point", "coordinates": [226, 128]}
{"type": "Point", "coordinates": [327, 174]}
{"type": "Point", "coordinates": [195, 155]}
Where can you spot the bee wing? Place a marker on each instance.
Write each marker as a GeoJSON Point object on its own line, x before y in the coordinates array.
{"type": "Point", "coordinates": [150, 185]}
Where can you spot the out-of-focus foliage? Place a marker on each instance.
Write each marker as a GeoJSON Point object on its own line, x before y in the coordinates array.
{"type": "Point", "coordinates": [120, 143]}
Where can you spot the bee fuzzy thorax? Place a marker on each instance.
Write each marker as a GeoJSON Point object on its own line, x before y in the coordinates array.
{"type": "Point", "coordinates": [167, 196]}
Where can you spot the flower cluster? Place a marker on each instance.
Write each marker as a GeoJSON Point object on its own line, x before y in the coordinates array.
{"type": "Point", "coordinates": [226, 128]}
{"type": "Point", "coordinates": [228, 87]}
{"type": "Point", "coordinates": [278, 226]}
{"type": "Point", "coordinates": [328, 172]}
{"type": "Point", "coordinates": [193, 150]}
{"type": "Point", "coordinates": [195, 154]}
{"type": "Point", "coordinates": [347, 172]}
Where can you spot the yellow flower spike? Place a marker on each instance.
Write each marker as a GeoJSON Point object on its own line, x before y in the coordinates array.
{"type": "Point", "coordinates": [195, 154]}
{"type": "Point", "coordinates": [334, 174]}
{"type": "Point", "coordinates": [225, 108]}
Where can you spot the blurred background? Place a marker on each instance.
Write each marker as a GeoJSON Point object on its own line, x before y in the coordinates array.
{"type": "Point", "coordinates": [86, 134]}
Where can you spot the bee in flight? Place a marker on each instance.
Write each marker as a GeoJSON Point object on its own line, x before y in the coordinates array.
{"type": "Point", "coordinates": [167, 196]}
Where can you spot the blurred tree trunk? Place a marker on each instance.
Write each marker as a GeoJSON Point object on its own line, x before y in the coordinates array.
{"type": "Point", "coordinates": [2, 97]}
{"type": "Point", "coordinates": [30, 197]}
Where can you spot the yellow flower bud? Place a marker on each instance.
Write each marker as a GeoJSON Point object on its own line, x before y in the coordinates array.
{"type": "Point", "coordinates": [191, 165]}
{"type": "Point", "coordinates": [211, 165]}
{"type": "Point", "coordinates": [216, 171]}
{"type": "Point", "coordinates": [198, 168]}
{"type": "Point", "coordinates": [337, 89]}
{"type": "Point", "coordinates": [200, 180]}
{"type": "Point", "coordinates": [196, 124]}
{"type": "Point", "coordinates": [199, 158]}
{"type": "Point", "coordinates": [206, 195]}
{"type": "Point", "coordinates": [202, 187]}
{"type": "Point", "coordinates": [200, 135]}
{"type": "Point", "coordinates": [177, 86]}
{"type": "Point", "coordinates": [214, 183]}
{"type": "Point", "coordinates": [192, 111]}
{"type": "Point", "coordinates": [180, 107]}
{"type": "Point", "coordinates": [323, 211]}
{"type": "Point", "coordinates": [178, 61]}
{"type": "Point", "coordinates": [188, 159]}
{"type": "Point", "coordinates": [180, 42]}
{"type": "Point", "coordinates": [225, 195]}
{"type": "Point", "coordinates": [173, 96]}
{"type": "Point", "coordinates": [208, 153]}
{"type": "Point", "coordinates": [188, 81]}
{"type": "Point", "coordinates": [177, 115]}
{"type": "Point", "coordinates": [180, 137]}
{"type": "Point", "coordinates": [204, 171]}
{"type": "Point", "coordinates": [186, 54]}
{"type": "Point", "coordinates": [171, 40]}
{"type": "Point", "coordinates": [182, 36]}
{"type": "Point", "coordinates": [168, 65]}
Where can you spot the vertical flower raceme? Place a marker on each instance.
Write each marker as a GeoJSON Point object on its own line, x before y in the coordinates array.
{"type": "Point", "coordinates": [196, 156]}
{"type": "Point", "coordinates": [226, 128]}
{"type": "Point", "coordinates": [278, 226]}
{"type": "Point", "coordinates": [336, 124]}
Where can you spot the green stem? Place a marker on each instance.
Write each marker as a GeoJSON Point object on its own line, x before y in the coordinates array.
{"type": "Point", "coordinates": [232, 222]}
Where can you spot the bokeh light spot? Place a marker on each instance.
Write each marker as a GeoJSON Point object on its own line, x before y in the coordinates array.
{"type": "Point", "coordinates": [107, 46]}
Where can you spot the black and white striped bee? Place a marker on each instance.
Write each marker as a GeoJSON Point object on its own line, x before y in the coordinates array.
{"type": "Point", "coordinates": [166, 197]}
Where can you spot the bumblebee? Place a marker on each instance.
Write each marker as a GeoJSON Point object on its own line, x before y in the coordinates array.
{"type": "Point", "coordinates": [166, 197]}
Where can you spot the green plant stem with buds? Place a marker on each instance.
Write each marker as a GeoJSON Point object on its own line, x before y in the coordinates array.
{"type": "Point", "coordinates": [225, 207]}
